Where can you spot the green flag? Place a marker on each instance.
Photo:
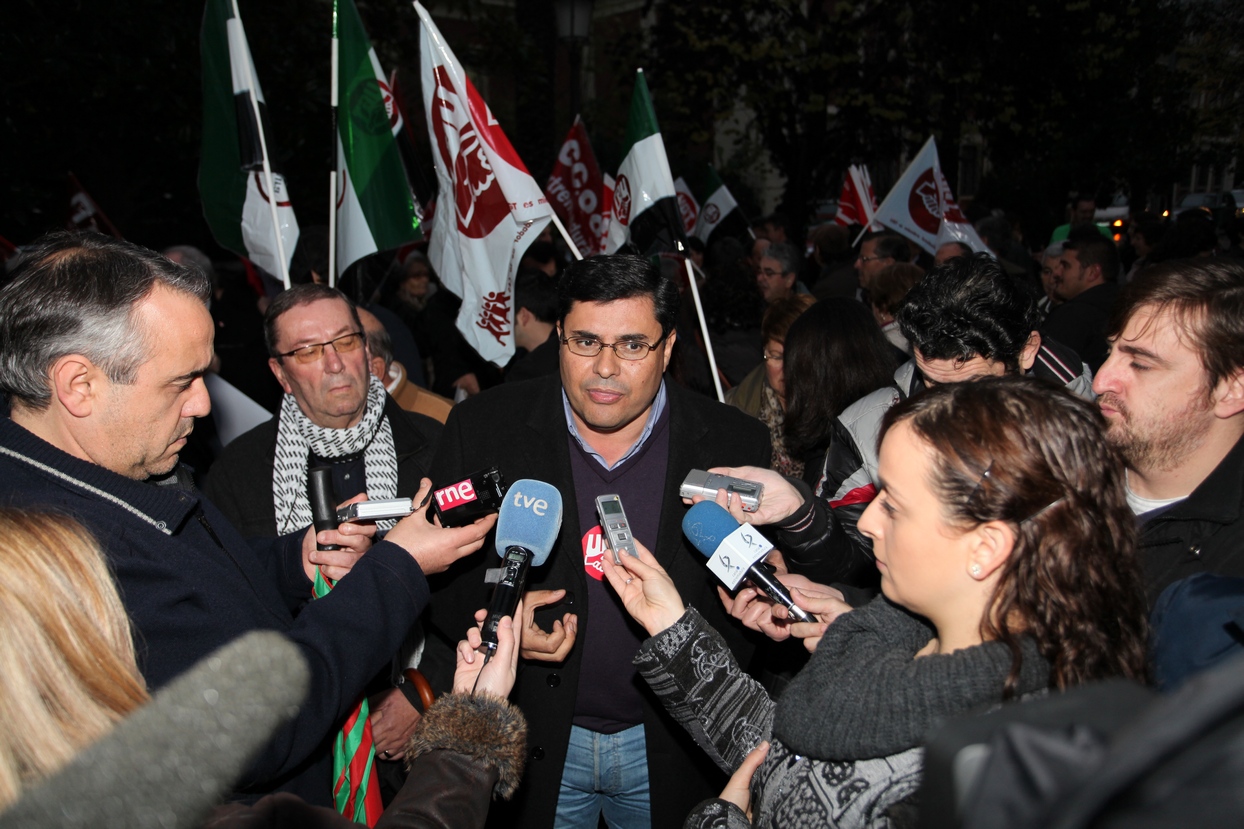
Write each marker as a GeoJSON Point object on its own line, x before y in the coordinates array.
{"type": "Point", "coordinates": [645, 204]}
{"type": "Point", "coordinates": [374, 208]}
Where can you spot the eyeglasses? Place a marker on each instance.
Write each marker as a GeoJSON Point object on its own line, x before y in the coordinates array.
{"type": "Point", "coordinates": [871, 258]}
{"type": "Point", "coordinates": [625, 350]}
{"type": "Point", "coordinates": [773, 358]}
{"type": "Point", "coordinates": [769, 272]}
{"type": "Point", "coordinates": [344, 344]}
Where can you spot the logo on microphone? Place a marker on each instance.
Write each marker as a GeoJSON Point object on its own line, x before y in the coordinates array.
{"type": "Point", "coordinates": [537, 505]}
{"type": "Point", "coordinates": [455, 495]}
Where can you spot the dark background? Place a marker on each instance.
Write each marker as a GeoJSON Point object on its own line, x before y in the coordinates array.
{"type": "Point", "coordinates": [1064, 96]}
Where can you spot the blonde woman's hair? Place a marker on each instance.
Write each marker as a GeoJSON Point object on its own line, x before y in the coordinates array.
{"type": "Point", "coordinates": [67, 667]}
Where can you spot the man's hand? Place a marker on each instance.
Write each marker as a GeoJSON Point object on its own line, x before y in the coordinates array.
{"type": "Point", "coordinates": [780, 499]}
{"type": "Point", "coordinates": [497, 677]}
{"type": "Point", "coordinates": [539, 645]}
{"type": "Point", "coordinates": [393, 720]}
{"type": "Point", "coordinates": [468, 383]}
{"type": "Point", "coordinates": [435, 547]}
{"type": "Point", "coordinates": [739, 790]}
{"type": "Point", "coordinates": [353, 539]}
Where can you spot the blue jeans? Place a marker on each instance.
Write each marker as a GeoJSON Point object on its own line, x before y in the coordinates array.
{"type": "Point", "coordinates": [604, 772]}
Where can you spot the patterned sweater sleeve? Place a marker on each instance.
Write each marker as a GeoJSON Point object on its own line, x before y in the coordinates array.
{"type": "Point", "coordinates": [691, 669]}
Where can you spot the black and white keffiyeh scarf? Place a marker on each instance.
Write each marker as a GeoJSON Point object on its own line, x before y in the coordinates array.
{"type": "Point", "coordinates": [297, 437]}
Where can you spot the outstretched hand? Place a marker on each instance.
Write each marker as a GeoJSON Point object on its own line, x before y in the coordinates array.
{"type": "Point", "coordinates": [779, 500]}
{"type": "Point", "coordinates": [646, 590]}
{"type": "Point", "coordinates": [498, 675]}
{"type": "Point", "coordinates": [435, 547]}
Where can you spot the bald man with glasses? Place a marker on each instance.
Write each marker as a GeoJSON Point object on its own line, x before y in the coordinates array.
{"type": "Point", "coordinates": [334, 414]}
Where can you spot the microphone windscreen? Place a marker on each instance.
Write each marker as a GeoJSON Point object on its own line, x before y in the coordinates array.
{"type": "Point", "coordinates": [171, 761]}
{"type": "Point", "coordinates": [706, 524]}
{"type": "Point", "coordinates": [530, 517]}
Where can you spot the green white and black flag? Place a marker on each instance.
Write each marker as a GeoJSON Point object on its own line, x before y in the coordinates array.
{"type": "Point", "coordinates": [237, 179]}
{"type": "Point", "coordinates": [720, 216]}
{"type": "Point", "coordinates": [375, 210]}
{"type": "Point", "coordinates": [645, 204]}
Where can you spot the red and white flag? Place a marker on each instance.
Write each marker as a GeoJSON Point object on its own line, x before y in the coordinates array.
{"type": "Point", "coordinates": [922, 208]}
{"type": "Point", "coordinates": [490, 208]}
{"type": "Point", "coordinates": [857, 205]}
{"type": "Point", "coordinates": [576, 191]}
{"type": "Point", "coordinates": [688, 207]}
{"type": "Point", "coordinates": [84, 213]}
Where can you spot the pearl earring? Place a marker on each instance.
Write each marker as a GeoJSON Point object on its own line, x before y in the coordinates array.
{"type": "Point", "coordinates": [975, 570]}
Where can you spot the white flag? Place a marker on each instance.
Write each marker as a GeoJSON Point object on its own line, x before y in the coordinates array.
{"type": "Point", "coordinates": [489, 209]}
{"type": "Point", "coordinates": [922, 208]}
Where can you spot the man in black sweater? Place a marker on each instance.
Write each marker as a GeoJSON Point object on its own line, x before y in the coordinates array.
{"type": "Point", "coordinates": [608, 423]}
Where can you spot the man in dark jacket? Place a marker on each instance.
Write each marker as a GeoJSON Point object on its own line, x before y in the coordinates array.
{"type": "Point", "coordinates": [965, 319]}
{"type": "Point", "coordinates": [608, 424]}
{"type": "Point", "coordinates": [334, 414]}
{"type": "Point", "coordinates": [1172, 393]}
{"type": "Point", "coordinates": [104, 349]}
{"type": "Point", "coordinates": [1086, 284]}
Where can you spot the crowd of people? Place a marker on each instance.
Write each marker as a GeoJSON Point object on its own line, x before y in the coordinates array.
{"type": "Point", "coordinates": [981, 476]}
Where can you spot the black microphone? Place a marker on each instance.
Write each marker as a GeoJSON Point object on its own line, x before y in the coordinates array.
{"type": "Point", "coordinates": [527, 527]}
{"type": "Point", "coordinates": [731, 548]}
{"type": "Point", "coordinates": [171, 761]}
{"type": "Point", "coordinates": [323, 502]}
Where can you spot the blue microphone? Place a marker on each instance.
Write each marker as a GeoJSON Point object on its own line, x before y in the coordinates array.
{"type": "Point", "coordinates": [527, 527]}
{"type": "Point", "coordinates": [711, 529]}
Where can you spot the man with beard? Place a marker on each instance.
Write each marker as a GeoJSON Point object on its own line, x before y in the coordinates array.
{"type": "Point", "coordinates": [1172, 393]}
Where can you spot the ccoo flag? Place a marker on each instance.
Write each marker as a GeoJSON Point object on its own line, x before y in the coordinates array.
{"type": "Point", "coordinates": [237, 201]}
{"type": "Point", "coordinates": [489, 209]}
{"type": "Point", "coordinates": [922, 208]}
{"type": "Point", "coordinates": [375, 210]}
{"type": "Point", "coordinates": [576, 191]}
{"type": "Point", "coordinates": [645, 204]}
{"type": "Point", "coordinates": [720, 216]}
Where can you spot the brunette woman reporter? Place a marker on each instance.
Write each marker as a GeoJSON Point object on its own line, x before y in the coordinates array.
{"type": "Point", "coordinates": [1007, 559]}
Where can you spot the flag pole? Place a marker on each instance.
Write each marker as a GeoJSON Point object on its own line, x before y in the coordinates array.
{"type": "Point", "coordinates": [562, 229]}
{"type": "Point", "coordinates": [332, 174]}
{"type": "Point", "coordinates": [263, 150]}
{"type": "Point", "coordinates": [699, 312]}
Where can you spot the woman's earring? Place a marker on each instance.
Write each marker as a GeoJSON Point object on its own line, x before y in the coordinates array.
{"type": "Point", "coordinates": [975, 570]}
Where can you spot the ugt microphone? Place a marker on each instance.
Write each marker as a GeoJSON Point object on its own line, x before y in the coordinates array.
{"type": "Point", "coordinates": [172, 760]}
{"type": "Point", "coordinates": [531, 517]}
{"type": "Point", "coordinates": [736, 551]}
{"type": "Point", "coordinates": [323, 502]}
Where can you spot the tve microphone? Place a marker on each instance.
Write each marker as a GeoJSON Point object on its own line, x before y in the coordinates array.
{"type": "Point", "coordinates": [527, 527]}
{"type": "Point", "coordinates": [172, 760]}
{"type": "Point", "coordinates": [734, 552]}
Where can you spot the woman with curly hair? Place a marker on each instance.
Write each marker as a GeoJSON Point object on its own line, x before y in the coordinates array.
{"type": "Point", "coordinates": [1007, 558]}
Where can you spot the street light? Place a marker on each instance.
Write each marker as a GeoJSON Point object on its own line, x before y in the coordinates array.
{"type": "Point", "coordinates": [574, 19]}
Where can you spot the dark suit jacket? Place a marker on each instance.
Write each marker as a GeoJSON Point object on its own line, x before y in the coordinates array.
{"type": "Point", "coordinates": [521, 428]}
{"type": "Point", "coordinates": [240, 482]}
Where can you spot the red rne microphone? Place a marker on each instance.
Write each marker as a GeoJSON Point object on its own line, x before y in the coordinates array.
{"type": "Point", "coordinates": [475, 496]}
